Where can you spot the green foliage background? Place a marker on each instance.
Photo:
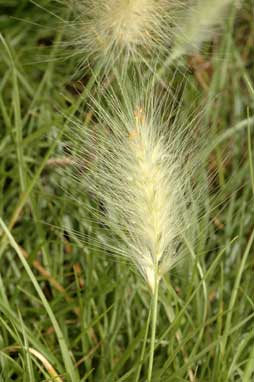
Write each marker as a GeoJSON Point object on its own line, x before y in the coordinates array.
{"type": "Point", "coordinates": [65, 297]}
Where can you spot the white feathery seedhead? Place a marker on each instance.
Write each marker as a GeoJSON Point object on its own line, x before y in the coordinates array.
{"type": "Point", "coordinates": [198, 24]}
{"type": "Point", "coordinates": [113, 29]}
{"type": "Point", "coordinates": [141, 171]}
{"type": "Point", "coordinates": [107, 31]}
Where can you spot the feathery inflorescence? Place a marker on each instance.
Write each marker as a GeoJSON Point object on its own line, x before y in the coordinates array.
{"type": "Point", "coordinates": [123, 31]}
{"type": "Point", "coordinates": [198, 23]}
{"type": "Point", "coordinates": [141, 165]}
{"type": "Point", "coordinates": [113, 30]}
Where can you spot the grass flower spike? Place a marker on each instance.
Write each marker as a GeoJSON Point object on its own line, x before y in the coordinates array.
{"type": "Point", "coordinates": [106, 32]}
{"type": "Point", "coordinates": [139, 164]}
{"type": "Point", "coordinates": [121, 29]}
{"type": "Point", "coordinates": [198, 24]}
{"type": "Point", "coordinates": [141, 173]}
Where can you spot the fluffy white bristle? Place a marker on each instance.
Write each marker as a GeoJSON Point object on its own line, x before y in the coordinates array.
{"type": "Point", "coordinates": [198, 24]}
{"type": "Point", "coordinates": [141, 172]}
{"type": "Point", "coordinates": [125, 29]}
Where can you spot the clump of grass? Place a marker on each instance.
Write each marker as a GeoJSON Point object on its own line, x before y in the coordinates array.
{"type": "Point", "coordinates": [208, 313]}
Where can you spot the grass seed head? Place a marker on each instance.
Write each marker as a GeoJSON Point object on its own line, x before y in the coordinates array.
{"type": "Point", "coordinates": [122, 29]}
{"type": "Point", "coordinates": [198, 24]}
{"type": "Point", "coordinates": [141, 172]}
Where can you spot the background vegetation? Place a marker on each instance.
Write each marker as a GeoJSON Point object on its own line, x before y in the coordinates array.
{"type": "Point", "coordinates": [69, 311]}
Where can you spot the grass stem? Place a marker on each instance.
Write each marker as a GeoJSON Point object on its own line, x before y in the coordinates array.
{"type": "Point", "coordinates": [142, 355]}
{"type": "Point", "coordinates": [153, 326]}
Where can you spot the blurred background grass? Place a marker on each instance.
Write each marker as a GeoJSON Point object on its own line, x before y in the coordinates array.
{"type": "Point", "coordinates": [82, 311]}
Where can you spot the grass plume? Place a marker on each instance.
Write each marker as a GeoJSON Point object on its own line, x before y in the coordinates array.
{"type": "Point", "coordinates": [198, 24]}
{"type": "Point", "coordinates": [139, 164]}
{"type": "Point", "coordinates": [141, 172]}
{"type": "Point", "coordinates": [122, 30]}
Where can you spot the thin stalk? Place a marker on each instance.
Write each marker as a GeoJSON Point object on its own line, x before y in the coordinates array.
{"type": "Point", "coordinates": [142, 355]}
{"type": "Point", "coordinates": [250, 157]}
{"type": "Point", "coordinates": [153, 326]}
